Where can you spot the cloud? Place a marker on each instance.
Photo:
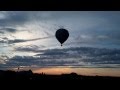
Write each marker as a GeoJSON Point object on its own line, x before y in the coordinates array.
{"type": "Point", "coordinates": [91, 23]}
{"type": "Point", "coordinates": [20, 40]}
{"type": "Point", "coordinates": [29, 48]}
{"type": "Point", "coordinates": [2, 15]}
{"type": "Point", "coordinates": [37, 61]}
{"type": "Point", "coordinates": [99, 40]}
{"type": "Point", "coordinates": [10, 30]}
{"type": "Point", "coordinates": [14, 18]}
{"type": "Point", "coordinates": [79, 55]}
{"type": "Point", "coordinates": [86, 54]}
{"type": "Point", "coordinates": [88, 28]}
{"type": "Point", "coordinates": [74, 57]}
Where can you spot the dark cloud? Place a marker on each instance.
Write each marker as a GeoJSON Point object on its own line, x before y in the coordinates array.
{"type": "Point", "coordinates": [79, 56]}
{"type": "Point", "coordinates": [14, 18]}
{"type": "Point", "coordinates": [11, 30]}
{"type": "Point", "coordinates": [76, 57]}
{"type": "Point", "coordinates": [21, 40]}
{"type": "Point", "coordinates": [37, 61]}
{"type": "Point", "coordinates": [54, 52]}
{"type": "Point", "coordinates": [87, 55]}
{"type": "Point", "coordinates": [29, 48]}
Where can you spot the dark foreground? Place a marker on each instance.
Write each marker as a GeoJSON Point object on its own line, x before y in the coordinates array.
{"type": "Point", "coordinates": [27, 77]}
{"type": "Point", "coordinates": [30, 76]}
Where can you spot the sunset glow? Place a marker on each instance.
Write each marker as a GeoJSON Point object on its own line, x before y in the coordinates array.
{"type": "Point", "coordinates": [80, 71]}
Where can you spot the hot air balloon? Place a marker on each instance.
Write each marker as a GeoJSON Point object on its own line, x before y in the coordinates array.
{"type": "Point", "coordinates": [62, 35]}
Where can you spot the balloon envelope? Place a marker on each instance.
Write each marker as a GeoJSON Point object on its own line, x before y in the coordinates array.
{"type": "Point", "coordinates": [62, 35]}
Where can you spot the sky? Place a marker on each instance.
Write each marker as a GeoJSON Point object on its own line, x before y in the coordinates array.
{"type": "Point", "coordinates": [27, 39]}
